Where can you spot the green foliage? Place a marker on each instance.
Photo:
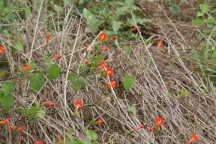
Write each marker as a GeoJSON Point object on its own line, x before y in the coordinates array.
{"type": "Point", "coordinates": [77, 82]}
{"type": "Point", "coordinates": [112, 16]}
{"type": "Point", "coordinates": [36, 81]}
{"type": "Point", "coordinates": [91, 20]}
{"type": "Point", "coordinates": [54, 71]}
{"type": "Point", "coordinates": [127, 82]}
{"type": "Point", "coordinates": [32, 114]}
{"type": "Point", "coordinates": [2, 74]}
{"type": "Point", "coordinates": [6, 98]}
{"type": "Point", "coordinates": [206, 57]}
{"type": "Point", "coordinates": [174, 8]}
{"type": "Point", "coordinates": [19, 45]}
{"type": "Point", "coordinates": [48, 61]}
{"type": "Point", "coordinates": [184, 93]}
{"type": "Point", "coordinates": [132, 108]}
{"type": "Point", "coordinates": [91, 135]}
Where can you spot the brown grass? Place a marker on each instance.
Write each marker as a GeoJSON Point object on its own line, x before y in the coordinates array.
{"type": "Point", "coordinates": [167, 73]}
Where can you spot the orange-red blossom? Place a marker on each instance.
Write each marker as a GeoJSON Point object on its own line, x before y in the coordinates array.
{"type": "Point", "coordinates": [160, 44]}
{"type": "Point", "coordinates": [112, 38]}
{"type": "Point", "coordinates": [47, 39]}
{"type": "Point", "coordinates": [27, 67]}
{"type": "Point", "coordinates": [159, 122]}
{"type": "Point", "coordinates": [38, 142]}
{"type": "Point", "coordinates": [49, 104]}
{"type": "Point", "coordinates": [103, 65]}
{"type": "Point", "coordinates": [136, 129]}
{"type": "Point", "coordinates": [4, 122]}
{"type": "Point", "coordinates": [104, 49]}
{"type": "Point", "coordinates": [85, 61]}
{"type": "Point", "coordinates": [11, 128]}
{"type": "Point", "coordinates": [2, 50]}
{"type": "Point", "coordinates": [133, 29]}
{"type": "Point", "coordinates": [20, 129]}
{"type": "Point", "coordinates": [59, 139]}
{"type": "Point", "coordinates": [109, 72]}
{"type": "Point", "coordinates": [112, 84]}
{"type": "Point", "coordinates": [57, 56]}
{"type": "Point", "coordinates": [194, 138]}
{"type": "Point", "coordinates": [102, 36]}
{"type": "Point", "coordinates": [99, 121]}
{"type": "Point", "coordinates": [78, 105]}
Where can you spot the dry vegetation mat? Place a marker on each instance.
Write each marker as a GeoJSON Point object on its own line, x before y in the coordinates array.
{"type": "Point", "coordinates": [107, 72]}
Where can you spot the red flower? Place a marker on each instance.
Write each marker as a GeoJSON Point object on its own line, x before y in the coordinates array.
{"type": "Point", "coordinates": [112, 84]}
{"type": "Point", "coordinates": [104, 49]}
{"type": "Point", "coordinates": [85, 61]}
{"type": "Point", "coordinates": [109, 72]}
{"type": "Point", "coordinates": [133, 29]}
{"type": "Point", "coordinates": [112, 13]}
{"type": "Point", "coordinates": [194, 138]}
{"type": "Point", "coordinates": [20, 129]}
{"type": "Point", "coordinates": [5, 122]}
{"type": "Point", "coordinates": [47, 39]}
{"type": "Point", "coordinates": [27, 67]}
{"type": "Point", "coordinates": [136, 129]}
{"type": "Point", "coordinates": [38, 142]}
{"type": "Point", "coordinates": [49, 104]}
{"type": "Point", "coordinates": [112, 38]}
{"type": "Point", "coordinates": [99, 121]}
{"type": "Point", "coordinates": [160, 44]}
{"type": "Point", "coordinates": [57, 56]}
{"type": "Point", "coordinates": [2, 50]}
{"type": "Point", "coordinates": [78, 105]}
{"type": "Point", "coordinates": [103, 65]}
{"type": "Point", "coordinates": [11, 128]}
{"type": "Point", "coordinates": [150, 129]}
{"type": "Point", "coordinates": [102, 36]}
{"type": "Point", "coordinates": [159, 122]}
{"type": "Point", "coordinates": [86, 46]}
{"type": "Point", "coordinates": [59, 139]}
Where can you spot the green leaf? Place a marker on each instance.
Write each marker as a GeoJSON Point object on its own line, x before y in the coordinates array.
{"type": "Point", "coordinates": [204, 8]}
{"type": "Point", "coordinates": [19, 45]}
{"type": "Point", "coordinates": [132, 108]}
{"type": "Point", "coordinates": [6, 33]}
{"type": "Point", "coordinates": [90, 17]}
{"type": "Point", "coordinates": [116, 26]}
{"type": "Point", "coordinates": [171, 1]}
{"type": "Point", "coordinates": [32, 65]}
{"type": "Point", "coordinates": [6, 98]}
{"type": "Point", "coordinates": [2, 74]}
{"type": "Point", "coordinates": [7, 87]}
{"type": "Point", "coordinates": [184, 93]}
{"type": "Point", "coordinates": [174, 9]}
{"type": "Point", "coordinates": [6, 101]}
{"type": "Point", "coordinates": [91, 20]}
{"type": "Point", "coordinates": [129, 3]}
{"type": "Point", "coordinates": [40, 114]}
{"type": "Point", "coordinates": [48, 61]}
{"type": "Point", "coordinates": [36, 81]}
{"type": "Point", "coordinates": [77, 82]}
{"type": "Point", "coordinates": [197, 22]}
{"type": "Point", "coordinates": [127, 82]}
{"type": "Point", "coordinates": [91, 135]}
{"type": "Point", "coordinates": [54, 71]}
{"type": "Point", "coordinates": [75, 141]}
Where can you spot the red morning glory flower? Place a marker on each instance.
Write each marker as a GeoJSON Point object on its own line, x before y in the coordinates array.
{"type": "Point", "coordinates": [102, 36]}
